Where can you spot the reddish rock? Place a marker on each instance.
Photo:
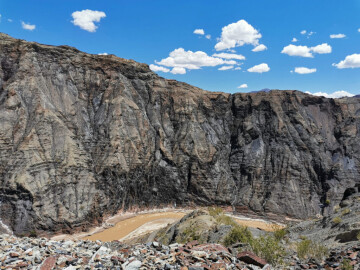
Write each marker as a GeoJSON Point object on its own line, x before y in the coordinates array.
{"type": "Point", "coordinates": [21, 265]}
{"type": "Point", "coordinates": [49, 263]}
{"type": "Point", "coordinates": [251, 258]}
{"type": "Point", "coordinates": [14, 254]}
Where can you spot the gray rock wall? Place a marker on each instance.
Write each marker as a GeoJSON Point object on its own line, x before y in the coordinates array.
{"type": "Point", "coordinates": [82, 136]}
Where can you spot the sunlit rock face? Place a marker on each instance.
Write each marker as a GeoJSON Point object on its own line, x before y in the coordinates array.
{"type": "Point", "coordinates": [83, 136]}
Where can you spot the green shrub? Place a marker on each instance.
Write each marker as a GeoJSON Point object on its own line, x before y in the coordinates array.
{"type": "Point", "coordinates": [238, 234]}
{"type": "Point", "coordinates": [337, 220]}
{"type": "Point", "coordinates": [336, 208]}
{"type": "Point", "coordinates": [189, 234]}
{"type": "Point", "coordinates": [307, 249]}
{"type": "Point", "coordinates": [225, 220]}
{"type": "Point", "coordinates": [269, 247]}
{"type": "Point", "coordinates": [279, 231]}
{"type": "Point", "coordinates": [327, 202]}
{"type": "Point", "coordinates": [345, 265]}
{"type": "Point", "coordinates": [33, 234]}
{"type": "Point", "coordinates": [346, 211]}
{"type": "Point", "coordinates": [215, 211]}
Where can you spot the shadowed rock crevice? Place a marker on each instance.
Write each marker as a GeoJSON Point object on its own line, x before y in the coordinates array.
{"type": "Point", "coordinates": [87, 135]}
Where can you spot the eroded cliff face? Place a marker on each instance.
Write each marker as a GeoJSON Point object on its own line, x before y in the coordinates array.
{"type": "Point", "coordinates": [83, 136]}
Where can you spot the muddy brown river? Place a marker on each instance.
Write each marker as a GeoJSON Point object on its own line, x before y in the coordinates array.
{"type": "Point", "coordinates": [147, 223]}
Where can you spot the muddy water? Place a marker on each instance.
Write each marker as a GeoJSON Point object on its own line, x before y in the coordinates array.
{"type": "Point", "coordinates": [127, 226]}
{"type": "Point", "coordinates": [146, 223]}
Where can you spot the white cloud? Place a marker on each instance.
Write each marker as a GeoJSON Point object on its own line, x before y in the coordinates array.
{"type": "Point", "coordinates": [351, 61]}
{"type": "Point", "coordinates": [178, 70]}
{"type": "Point", "coordinates": [305, 51]}
{"type": "Point", "coordinates": [259, 48]}
{"type": "Point", "coordinates": [237, 34]}
{"type": "Point", "coordinates": [244, 85]}
{"type": "Point", "coordinates": [28, 26]}
{"type": "Point", "coordinates": [259, 68]}
{"type": "Point", "coordinates": [103, 53]}
{"type": "Point", "coordinates": [304, 32]}
{"type": "Point", "coordinates": [208, 36]}
{"type": "Point", "coordinates": [304, 70]}
{"type": "Point", "coordinates": [294, 50]}
{"type": "Point", "coordinates": [322, 48]}
{"type": "Point", "coordinates": [294, 40]}
{"type": "Point", "coordinates": [238, 68]}
{"type": "Point", "coordinates": [359, 30]}
{"type": "Point", "coordinates": [156, 68]}
{"type": "Point", "coordinates": [337, 36]}
{"type": "Point", "coordinates": [337, 94]}
{"type": "Point", "coordinates": [86, 19]}
{"type": "Point", "coordinates": [192, 60]}
{"type": "Point", "coordinates": [310, 33]}
{"type": "Point", "coordinates": [226, 67]}
{"type": "Point", "coordinates": [199, 32]}
{"type": "Point", "coordinates": [229, 56]}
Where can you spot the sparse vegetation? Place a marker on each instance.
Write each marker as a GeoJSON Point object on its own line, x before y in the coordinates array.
{"type": "Point", "coordinates": [358, 236]}
{"type": "Point", "coordinates": [337, 220]}
{"type": "Point", "coordinates": [327, 202]}
{"type": "Point", "coordinates": [345, 265]}
{"type": "Point", "coordinates": [269, 247]}
{"type": "Point", "coordinates": [189, 234]}
{"type": "Point", "coordinates": [346, 211]}
{"type": "Point", "coordinates": [307, 249]}
{"type": "Point", "coordinates": [33, 234]}
{"type": "Point", "coordinates": [215, 211]}
{"type": "Point", "coordinates": [336, 208]}
{"type": "Point", "coordinates": [238, 234]}
{"type": "Point", "coordinates": [279, 231]}
{"type": "Point", "coordinates": [220, 217]}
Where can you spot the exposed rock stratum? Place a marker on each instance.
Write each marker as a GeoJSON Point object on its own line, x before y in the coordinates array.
{"type": "Point", "coordinates": [83, 136]}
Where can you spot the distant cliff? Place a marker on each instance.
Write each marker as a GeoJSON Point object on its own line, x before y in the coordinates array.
{"type": "Point", "coordinates": [82, 136]}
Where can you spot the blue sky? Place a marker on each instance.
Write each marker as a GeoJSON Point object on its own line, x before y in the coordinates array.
{"type": "Point", "coordinates": [161, 33]}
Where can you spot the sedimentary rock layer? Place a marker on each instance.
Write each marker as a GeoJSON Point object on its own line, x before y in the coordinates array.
{"type": "Point", "coordinates": [82, 136]}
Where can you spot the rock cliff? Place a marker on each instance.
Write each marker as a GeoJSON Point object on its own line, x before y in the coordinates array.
{"type": "Point", "coordinates": [83, 136]}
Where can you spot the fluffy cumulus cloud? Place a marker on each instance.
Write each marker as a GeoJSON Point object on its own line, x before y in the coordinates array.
{"type": "Point", "coordinates": [244, 85]}
{"type": "Point", "coordinates": [259, 68]}
{"type": "Point", "coordinates": [208, 36]}
{"type": "Point", "coordinates": [28, 26]}
{"type": "Point", "coordinates": [303, 32]}
{"type": "Point", "coordinates": [350, 61]}
{"type": "Point", "coordinates": [304, 70]}
{"type": "Point", "coordinates": [191, 60]}
{"type": "Point", "coordinates": [87, 18]}
{"type": "Point", "coordinates": [238, 34]}
{"type": "Point", "coordinates": [337, 36]}
{"type": "Point", "coordinates": [229, 56]}
{"type": "Point", "coordinates": [199, 32]}
{"type": "Point", "coordinates": [294, 50]}
{"type": "Point", "coordinates": [226, 67]}
{"type": "Point", "coordinates": [322, 48]}
{"type": "Point", "coordinates": [337, 94]}
{"type": "Point", "coordinates": [156, 68]}
{"type": "Point", "coordinates": [103, 53]}
{"type": "Point", "coordinates": [294, 40]}
{"type": "Point", "coordinates": [259, 48]}
{"type": "Point", "coordinates": [305, 51]}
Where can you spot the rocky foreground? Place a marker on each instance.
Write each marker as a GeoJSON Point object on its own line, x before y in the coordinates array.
{"type": "Point", "coordinates": [42, 254]}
